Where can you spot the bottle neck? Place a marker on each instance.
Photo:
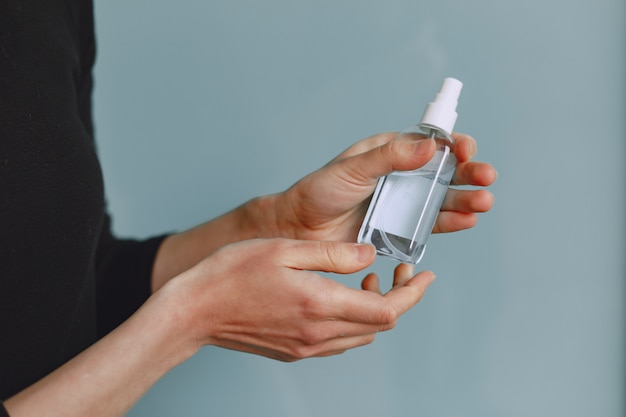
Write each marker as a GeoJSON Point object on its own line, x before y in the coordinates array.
{"type": "Point", "coordinates": [433, 133]}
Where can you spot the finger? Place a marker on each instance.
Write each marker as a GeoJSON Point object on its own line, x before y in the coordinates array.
{"type": "Point", "coordinates": [342, 344]}
{"type": "Point", "coordinates": [402, 274]}
{"type": "Point", "coordinates": [468, 201]}
{"type": "Point", "coordinates": [404, 297]}
{"type": "Point", "coordinates": [474, 173]}
{"type": "Point", "coordinates": [466, 151]}
{"type": "Point", "coordinates": [371, 283]}
{"type": "Point", "coordinates": [331, 347]}
{"type": "Point", "coordinates": [404, 154]}
{"type": "Point", "coordinates": [370, 309]}
{"type": "Point", "coordinates": [453, 221]}
{"type": "Point", "coordinates": [464, 147]}
{"type": "Point", "coordinates": [340, 257]}
{"type": "Point", "coordinates": [367, 144]}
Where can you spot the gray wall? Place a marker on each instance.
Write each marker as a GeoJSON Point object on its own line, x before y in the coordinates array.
{"type": "Point", "coordinates": [201, 105]}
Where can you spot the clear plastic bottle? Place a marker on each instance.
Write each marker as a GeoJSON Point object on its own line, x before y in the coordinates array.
{"type": "Point", "coordinates": [405, 204]}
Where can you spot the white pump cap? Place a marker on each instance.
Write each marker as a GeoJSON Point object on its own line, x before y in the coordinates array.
{"type": "Point", "coordinates": [441, 114]}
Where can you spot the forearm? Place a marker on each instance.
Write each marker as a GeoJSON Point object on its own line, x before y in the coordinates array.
{"type": "Point", "coordinates": [181, 251]}
{"type": "Point", "coordinates": [110, 376]}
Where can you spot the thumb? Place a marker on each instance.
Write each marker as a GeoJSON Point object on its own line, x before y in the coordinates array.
{"type": "Point", "coordinates": [408, 151]}
{"type": "Point", "coordinates": [340, 257]}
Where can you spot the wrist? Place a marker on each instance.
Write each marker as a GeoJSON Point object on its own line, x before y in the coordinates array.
{"type": "Point", "coordinates": [169, 309]}
{"type": "Point", "coordinates": [261, 218]}
{"type": "Point", "coordinates": [181, 251]}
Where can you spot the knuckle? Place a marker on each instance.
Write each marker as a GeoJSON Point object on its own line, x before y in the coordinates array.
{"type": "Point", "coordinates": [315, 306]}
{"type": "Point", "coordinates": [301, 352]}
{"type": "Point", "coordinates": [310, 337]}
{"type": "Point", "coordinates": [286, 355]}
{"type": "Point", "coordinates": [278, 245]}
{"type": "Point", "coordinates": [388, 317]}
{"type": "Point", "coordinates": [391, 148]}
{"type": "Point", "coordinates": [333, 252]}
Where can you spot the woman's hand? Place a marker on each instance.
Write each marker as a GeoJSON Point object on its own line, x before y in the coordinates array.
{"type": "Point", "coordinates": [330, 203]}
{"type": "Point", "coordinates": [259, 296]}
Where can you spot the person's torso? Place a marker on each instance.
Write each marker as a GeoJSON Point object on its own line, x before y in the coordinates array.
{"type": "Point", "coordinates": [51, 192]}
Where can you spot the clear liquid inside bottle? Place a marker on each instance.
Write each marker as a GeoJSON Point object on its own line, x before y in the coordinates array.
{"type": "Point", "coordinates": [405, 206]}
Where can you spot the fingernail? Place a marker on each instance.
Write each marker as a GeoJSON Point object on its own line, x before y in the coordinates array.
{"type": "Point", "coordinates": [422, 146]}
{"type": "Point", "coordinates": [364, 253]}
{"type": "Point", "coordinates": [472, 148]}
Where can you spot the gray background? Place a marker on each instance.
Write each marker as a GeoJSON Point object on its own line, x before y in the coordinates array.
{"type": "Point", "coordinates": [202, 105]}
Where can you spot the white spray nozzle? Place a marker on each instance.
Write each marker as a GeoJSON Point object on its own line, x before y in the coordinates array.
{"type": "Point", "coordinates": [440, 114]}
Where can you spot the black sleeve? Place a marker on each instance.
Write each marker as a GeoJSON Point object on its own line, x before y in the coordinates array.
{"type": "Point", "coordinates": [123, 276]}
{"type": "Point", "coordinates": [3, 411]}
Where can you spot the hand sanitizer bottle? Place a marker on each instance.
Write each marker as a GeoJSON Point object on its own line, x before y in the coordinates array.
{"type": "Point", "coordinates": [405, 204]}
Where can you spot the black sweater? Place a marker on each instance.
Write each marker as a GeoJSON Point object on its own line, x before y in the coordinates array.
{"type": "Point", "coordinates": [65, 280]}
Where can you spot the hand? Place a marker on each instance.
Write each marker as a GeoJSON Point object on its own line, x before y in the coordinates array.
{"type": "Point", "coordinates": [330, 204]}
{"type": "Point", "coordinates": [259, 296]}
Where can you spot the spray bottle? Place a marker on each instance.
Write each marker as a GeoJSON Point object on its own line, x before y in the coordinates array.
{"type": "Point", "coordinates": [405, 204]}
